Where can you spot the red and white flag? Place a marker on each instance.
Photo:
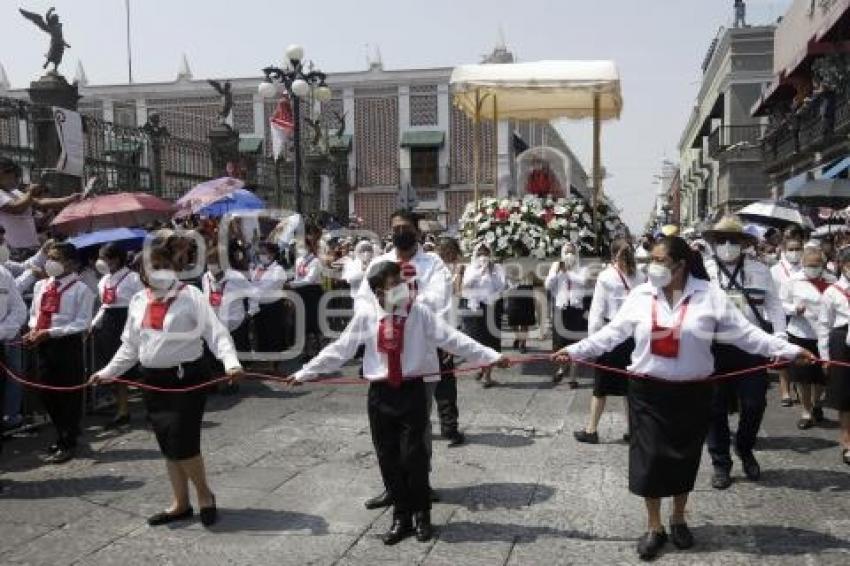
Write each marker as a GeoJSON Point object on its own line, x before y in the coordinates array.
{"type": "Point", "coordinates": [282, 126]}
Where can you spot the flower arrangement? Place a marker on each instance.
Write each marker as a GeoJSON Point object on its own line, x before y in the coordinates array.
{"type": "Point", "coordinates": [536, 227]}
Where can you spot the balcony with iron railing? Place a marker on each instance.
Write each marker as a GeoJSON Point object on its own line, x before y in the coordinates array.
{"type": "Point", "coordinates": [736, 142]}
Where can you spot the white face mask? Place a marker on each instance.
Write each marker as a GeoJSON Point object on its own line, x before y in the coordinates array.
{"type": "Point", "coordinates": [569, 258]}
{"type": "Point", "coordinates": [397, 297]}
{"type": "Point", "coordinates": [813, 272]}
{"type": "Point", "coordinates": [4, 253]}
{"type": "Point", "coordinates": [659, 275]}
{"type": "Point", "coordinates": [482, 261]}
{"type": "Point", "coordinates": [793, 257]}
{"type": "Point", "coordinates": [101, 266]}
{"type": "Point", "coordinates": [162, 279]}
{"type": "Point", "coordinates": [214, 268]}
{"type": "Point", "coordinates": [365, 257]}
{"type": "Point", "coordinates": [53, 268]}
{"type": "Point", "coordinates": [265, 259]}
{"type": "Point", "coordinates": [727, 253]}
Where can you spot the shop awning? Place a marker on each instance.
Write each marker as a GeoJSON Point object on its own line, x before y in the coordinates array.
{"type": "Point", "coordinates": [250, 144]}
{"type": "Point", "coordinates": [837, 170]}
{"type": "Point", "coordinates": [423, 138]}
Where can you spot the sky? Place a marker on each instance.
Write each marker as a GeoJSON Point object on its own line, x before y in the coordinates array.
{"type": "Point", "coordinates": [658, 46]}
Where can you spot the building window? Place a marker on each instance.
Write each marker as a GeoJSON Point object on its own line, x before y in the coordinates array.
{"type": "Point", "coordinates": [424, 166]}
{"type": "Point", "coordinates": [423, 106]}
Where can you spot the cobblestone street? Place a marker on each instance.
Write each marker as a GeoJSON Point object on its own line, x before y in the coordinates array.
{"type": "Point", "coordinates": [291, 470]}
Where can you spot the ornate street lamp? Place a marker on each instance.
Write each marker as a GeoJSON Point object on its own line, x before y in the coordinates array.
{"type": "Point", "coordinates": [297, 83]}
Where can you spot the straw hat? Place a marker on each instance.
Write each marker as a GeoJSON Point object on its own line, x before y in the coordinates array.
{"type": "Point", "coordinates": [730, 227]}
{"type": "Point", "coordinates": [670, 230]}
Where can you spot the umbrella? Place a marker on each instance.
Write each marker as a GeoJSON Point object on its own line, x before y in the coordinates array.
{"type": "Point", "coordinates": [111, 211]}
{"type": "Point", "coordinates": [128, 238]}
{"type": "Point", "coordinates": [776, 214]}
{"type": "Point", "coordinates": [828, 229]}
{"type": "Point", "coordinates": [832, 193]}
{"type": "Point", "coordinates": [207, 193]}
{"type": "Point", "coordinates": [239, 199]}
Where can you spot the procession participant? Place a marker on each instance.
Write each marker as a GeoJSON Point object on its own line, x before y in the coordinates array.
{"type": "Point", "coordinates": [750, 286]}
{"type": "Point", "coordinates": [167, 326]}
{"type": "Point", "coordinates": [446, 392]}
{"type": "Point", "coordinates": [567, 282]}
{"type": "Point", "coordinates": [355, 268]}
{"type": "Point", "coordinates": [13, 315]}
{"type": "Point", "coordinates": [483, 285]}
{"type": "Point", "coordinates": [116, 287]}
{"type": "Point", "coordinates": [833, 345]}
{"type": "Point", "coordinates": [61, 313]}
{"type": "Point", "coordinates": [521, 308]}
{"type": "Point", "coordinates": [268, 279]}
{"type": "Point", "coordinates": [428, 281]}
{"type": "Point", "coordinates": [401, 337]}
{"type": "Point", "coordinates": [673, 320]}
{"type": "Point", "coordinates": [789, 265]}
{"type": "Point", "coordinates": [307, 283]}
{"type": "Point", "coordinates": [613, 285]}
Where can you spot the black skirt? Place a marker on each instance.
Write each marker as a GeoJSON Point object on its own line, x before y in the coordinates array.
{"type": "Point", "coordinates": [668, 423]}
{"type": "Point", "coordinates": [838, 387]}
{"type": "Point", "coordinates": [269, 327]}
{"type": "Point", "coordinates": [107, 335]}
{"type": "Point", "coordinates": [806, 374]}
{"type": "Point", "coordinates": [310, 296]}
{"type": "Point", "coordinates": [521, 307]}
{"type": "Point", "coordinates": [608, 383]}
{"type": "Point", "coordinates": [176, 417]}
{"type": "Point", "coordinates": [476, 325]}
{"type": "Point", "coordinates": [572, 327]}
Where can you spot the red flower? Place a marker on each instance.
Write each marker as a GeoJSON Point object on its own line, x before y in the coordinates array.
{"type": "Point", "coordinates": [502, 214]}
{"type": "Point", "coordinates": [547, 216]}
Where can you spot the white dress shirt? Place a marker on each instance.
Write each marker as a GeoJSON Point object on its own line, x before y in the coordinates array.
{"type": "Point", "coordinates": [424, 332]}
{"type": "Point", "coordinates": [609, 295]}
{"type": "Point", "coordinates": [353, 272]}
{"type": "Point", "coordinates": [268, 282]}
{"type": "Point", "coordinates": [567, 286]}
{"type": "Point", "coordinates": [236, 290]}
{"type": "Point", "coordinates": [758, 279]}
{"type": "Point", "coordinates": [20, 228]}
{"type": "Point", "coordinates": [308, 271]}
{"type": "Point", "coordinates": [13, 311]}
{"type": "Point", "coordinates": [126, 284]}
{"type": "Point", "coordinates": [710, 316]}
{"type": "Point", "coordinates": [483, 285]}
{"type": "Point", "coordinates": [782, 272]}
{"type": "Point", "coordinates": [834, 313]}
{"type": "Point", "coordinates": [23, 271]}
{"type": "Point", "coordinates": [190, 319]}
{"type": "Point", "coordinates": [75, 306]}
{"type": "Point", "coordinates": [799, 291]}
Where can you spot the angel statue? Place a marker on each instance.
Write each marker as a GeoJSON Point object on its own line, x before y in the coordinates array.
{"type": "Point", "coordinates": [50, 24]}
{"type": "Point", "coordinates": [225, 115]}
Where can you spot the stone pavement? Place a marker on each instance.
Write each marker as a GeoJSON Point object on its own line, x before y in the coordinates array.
{"type": "Point", "coordinates": [291, 470]}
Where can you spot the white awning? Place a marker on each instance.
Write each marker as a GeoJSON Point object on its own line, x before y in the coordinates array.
{"type": "Point", "coordinates": [543, 90]}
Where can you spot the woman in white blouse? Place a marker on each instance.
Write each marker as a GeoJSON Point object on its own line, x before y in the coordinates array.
{"type": "Point", "coordinates": [116, 287]}
{"type": "Point", "coordinates": [802, 297]}
{"type": "Point", "coordinates": [566, 283]}
{"type": "Point", "coordinates": [307, 283]}
{"type": "Point", "coordinates": [272, 317]}
{"type": "Point", "coordinates": [354, 269]}
{"type": "Point", "coordinates": [482, 287]}
{"type": "Point", "coordinates": [613, 285]}
{"type": "Point", "coordinates": [674, 320]}
{"type": "Point", "coordinates": [833, 345]}
{"type": "Point", "coordinates": [167, 326]}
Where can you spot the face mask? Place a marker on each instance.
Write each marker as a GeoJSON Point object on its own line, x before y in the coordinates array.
{"type": "Point", "coordinates": [728, 253]}
{"type": "Point", "coordinates": [365, 257]}
{"type": "Point", "coordinates": [300, 252]}
{"type": "Point", "coordinates": [102, 267]}
{"type": "Point", "coordinates": [214, 268]}
{"type": "Point", "coordinates": [793, 257]}
{"type": "Point", "coordinates": [4, 253]}
{"type": "Point", "coordinates": [404, 240]}
{"type": "Point", "coordinates": [569, 258]}
{"type": "Point", "coordinates": [659, 275]}
{"type": "Point", "coordinates": [482, 261]}
{"type": "Point", "coordinates": [813, 272]}
{"type": "Point", "coordinates": [162, 279]}
{"type": "Point", "coordinates": [53, 268]}
{"type": "Point", "coordinates": [397, 297]}
{"type": "Point", "coordinates": [265, 259]}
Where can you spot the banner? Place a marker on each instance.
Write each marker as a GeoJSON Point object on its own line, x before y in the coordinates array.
{"type": "Point", "coordinates": [69, 128]}
{"type": "Point", "coordinates": [282, 125]}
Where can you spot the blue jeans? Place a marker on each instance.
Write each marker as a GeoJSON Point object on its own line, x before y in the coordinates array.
{"type": "Point", "coordinates": [13, 392]}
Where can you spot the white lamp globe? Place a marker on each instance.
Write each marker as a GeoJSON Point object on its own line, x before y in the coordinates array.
{"type": "Point", "coordinates": [323, 93]}
{"type": "Point", "coordinates": [267, 89]}
{"type": "Point", "coordinates": [294, 53]}
{"type": "Point", "coordinates": [300, 88]}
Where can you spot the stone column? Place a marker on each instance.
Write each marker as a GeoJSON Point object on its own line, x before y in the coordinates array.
{"type": "Point", "coordinates": [51, 90]}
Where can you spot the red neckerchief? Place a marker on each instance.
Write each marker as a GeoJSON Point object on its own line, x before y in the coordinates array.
{"type": "Point", "coordinates": [216, 291]}
{"type": "Point", "coordinates": [391, 343]}
{"type": "Point", "coordinates": [110, 293]}
{"type": "Point", "coordinates": [303, 267]}
{"type": "Point", "coordinates": [408, 273]}
{"type": "Point", "coordinates": [50, 303]}
{"type": "Point", "coordinates": [665, 340]}
{"type": "Point", "coordinates": [156, 310]}
{"type": "Point", "coordinates": [622, 278]}
{"type": "Point", "coordinates": [785, 269]}
{"type": "Point", "coordinates": [820, 284]}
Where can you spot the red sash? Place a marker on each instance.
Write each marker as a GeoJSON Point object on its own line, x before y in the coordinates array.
{"type": "Point", "coordinates": [111, 293]}
{"type": "Point", "coordinates": [216, 295]}
{"type": "Point", "coordinates": [408, 273]}
{"type": "Point", "coordinates": [665, 340]}
{"type": "Point", "coordinates": [157, 309]}
{"type": "Point", "coordinates": [51, 301]}
{"type": "Point", "coordinates": [391, 343]}
{"type": "Point", "coordinates": [844, 292]}
{"type": "Point", "coordinates": [819, 284]}
{"type": "Point", "coordinates": [303, 269]}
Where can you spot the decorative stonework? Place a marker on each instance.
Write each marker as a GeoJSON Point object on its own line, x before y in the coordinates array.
{"type": "Point", "coordinates": [423, 106]}
{"type": "Point", "coordinates": [376, 131]}
{"type": "Point", "coordinates": [461, 161]}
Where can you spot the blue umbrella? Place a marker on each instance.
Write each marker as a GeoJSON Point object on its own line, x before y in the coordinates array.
{"type": "Point", "coordinates": [239, 199]}
{"type": "Point", "coordinates": [128, 238]}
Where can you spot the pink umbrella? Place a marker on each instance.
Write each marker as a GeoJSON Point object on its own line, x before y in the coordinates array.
{"type": "Point", "coordinates": [119, 210]}
{"type": "Point", "coordinates": [207, 193]}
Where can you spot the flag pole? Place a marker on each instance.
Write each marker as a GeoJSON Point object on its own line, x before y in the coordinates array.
{"type": "Point", "coordinates": [129, 49]}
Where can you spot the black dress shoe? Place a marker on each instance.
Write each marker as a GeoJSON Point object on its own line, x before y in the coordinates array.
{"type": "Point", "coordinates": [627, 437]}
{"type": "Point", "coordinates": [721, 479]}
{"type": "Point", "coordinates": [209, 515]}
{"type": "Point", "coordinates": [432, 495]}
{"type": "Point", "coordinates": [651, 544]}
{"type": "Point", "coordinates": [751, 466]}
{"type": "Point", "coordinates": [165, 518]}
{"type": "Point", "coordinates": [383, 500]}
{"type": "Point", "coordinates": [118, 421]}
{"type": "Point", "coordinates": [586, 437]}
{"type": "Point", "coordinates": [422, 524]}
{"type": "Point", "coordinates": [805, 424]}
{"type": "Point", "coordinates": [60, 456]}
{"type": "Point", "coordinates": [787, 402]}
{"type": "Point", "coordinates": [455, 439]}
{"type": "Point", "coordinates": [401, 528]}
{"type": "Point", "coordinates": [558, 377]}
{"type": "Point", "coordinates": [817, 414]}
{"type": "Point", "coordinates": [681, 536]}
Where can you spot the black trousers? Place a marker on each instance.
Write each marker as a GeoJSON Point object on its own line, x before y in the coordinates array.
{"type": "Point", "coordinates": [446, 395]}
{"type": "Point", "coordinates": [60, 362]}
{"type": "Point", "coordinates": [750, 391]}
{"type": "Point", "coordinates": [397, 419]}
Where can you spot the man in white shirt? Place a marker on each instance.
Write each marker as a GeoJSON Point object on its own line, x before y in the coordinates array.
{"type": "Point", "coordinates": [787, 266]}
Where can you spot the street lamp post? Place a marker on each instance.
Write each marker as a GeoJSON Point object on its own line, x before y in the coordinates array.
{"type": "Point", "coordinates": [297, 84]}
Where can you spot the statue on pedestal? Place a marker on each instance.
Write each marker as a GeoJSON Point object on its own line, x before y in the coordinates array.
{"type": "Point", "coordinates": [740, 14]}
{"type": "Point", "coordinates": [225, 115]}
{"type": "Point", "coordinates": [50, 24]}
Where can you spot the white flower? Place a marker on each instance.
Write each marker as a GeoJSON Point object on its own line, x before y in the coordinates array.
{"type": "Point", "coordinates": [587, 218]}
{"type": "Point", "coordinates": [489, 237]}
